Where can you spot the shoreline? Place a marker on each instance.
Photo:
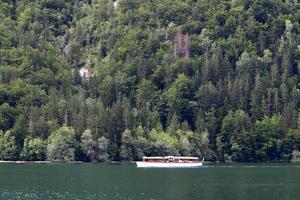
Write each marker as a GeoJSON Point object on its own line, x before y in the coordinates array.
{"type": "Point", "coordinates": [127, 162]}
{"type": "Point", "coordinates": [59, 162]}
{"type": "Point", "coordinates": [37, 162]}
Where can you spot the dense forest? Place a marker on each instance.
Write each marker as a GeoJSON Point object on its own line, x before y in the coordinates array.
{"type": "Point", "coordinates": [98, 80]}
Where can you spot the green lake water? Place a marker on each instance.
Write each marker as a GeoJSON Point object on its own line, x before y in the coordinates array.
{"type": "Point", "coordinates": [113, 181]}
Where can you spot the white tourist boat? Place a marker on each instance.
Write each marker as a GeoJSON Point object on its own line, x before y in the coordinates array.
{"type": "Point", "coordinates": [170, 162]}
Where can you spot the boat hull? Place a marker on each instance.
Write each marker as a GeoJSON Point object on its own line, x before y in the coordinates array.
{"type": "Point", "coordinates": [167, 165]}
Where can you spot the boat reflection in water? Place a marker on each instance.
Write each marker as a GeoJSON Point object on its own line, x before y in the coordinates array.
{"type": "Point", "coordinates": [170, 162]}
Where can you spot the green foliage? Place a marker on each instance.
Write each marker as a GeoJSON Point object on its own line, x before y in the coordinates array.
{"type": "Point", "coordinates": [7, 116]}
{"type": "Point", "coordinates": [200, 145]}
{"type": "Point", "coordinates": [233, 139]}
{"type": "Point", "coordinates": [185, 146]}
{"type": "Point", "coordinates": [8, 147]}
{"type": "Point", "coordinates": [95, 150]}
{"type": "Point", "coordinates": [268, 138]}
{"type": "Point", "coordinates": [218, 79]}
{"type": "Point", "coordinates": [61, 145]}
{"type": "Point", "coordinates": [134, 144]}
{"type": "Point", "coordinates": [293, 140]}
{"type": "Point", "coordinates": [127, 146]}
{"type": "Point", "coordinates": [33, 150]}
{"type": "Point", "coordinates": [162, 144]}
{"type": "Point", "coordinates": [102, 149]}
{"type": "Point", "coordinates": [179, 97]}
{"type": "Point", "coordinates": [88, 144]}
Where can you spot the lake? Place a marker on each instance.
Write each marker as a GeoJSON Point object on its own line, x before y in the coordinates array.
{"type": "Point", "coordinates": [115, 181]}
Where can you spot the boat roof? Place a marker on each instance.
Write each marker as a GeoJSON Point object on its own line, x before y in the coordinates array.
{"type": "Point", "coordinates": [173, 157]}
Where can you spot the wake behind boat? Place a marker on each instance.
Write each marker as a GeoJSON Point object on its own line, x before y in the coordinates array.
{"type": "Point", "coordinates": [170, 162]}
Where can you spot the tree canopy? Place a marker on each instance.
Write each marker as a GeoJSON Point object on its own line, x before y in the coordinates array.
{"type": "Point", "coordinates": [93, 80]}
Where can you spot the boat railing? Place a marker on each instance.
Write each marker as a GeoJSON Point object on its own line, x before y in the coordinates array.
{"type": "Point", "coordinates": [171, 159]}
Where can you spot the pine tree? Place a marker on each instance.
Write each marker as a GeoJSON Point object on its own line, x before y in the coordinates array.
{"type": "Point", "coordinates": [256, 98]}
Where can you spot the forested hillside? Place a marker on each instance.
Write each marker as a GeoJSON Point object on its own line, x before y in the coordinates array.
{"type": "Point", "coordinates": [97, 80]}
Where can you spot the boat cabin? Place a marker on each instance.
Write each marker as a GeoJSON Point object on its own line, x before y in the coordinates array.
{"type": "Point", "coordinates": [171, 159]}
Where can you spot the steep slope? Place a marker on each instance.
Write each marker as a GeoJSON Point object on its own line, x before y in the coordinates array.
{"type": "Point", "coordinates": [102, 79]}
